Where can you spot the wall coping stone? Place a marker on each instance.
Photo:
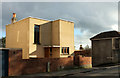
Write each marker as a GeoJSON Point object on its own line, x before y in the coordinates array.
{"type": "Point", "coordinates": [10, 48]}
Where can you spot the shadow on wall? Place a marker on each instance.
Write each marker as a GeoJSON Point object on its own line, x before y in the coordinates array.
{"type": "Point", "coordinates": [39, 51]}
{"type": "Point", "coordinates": [44, 37]}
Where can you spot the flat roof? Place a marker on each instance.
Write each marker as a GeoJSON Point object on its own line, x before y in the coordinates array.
{"type": "Point", "coordinates": [41, 19]}
{"type": "Point", "coordinates": [64, 20]}
{"type": "Point", "coordinates": [28, 18]}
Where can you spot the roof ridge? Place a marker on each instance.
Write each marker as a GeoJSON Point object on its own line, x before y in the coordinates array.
{"type": "Point", "coordinates": [106, 34]}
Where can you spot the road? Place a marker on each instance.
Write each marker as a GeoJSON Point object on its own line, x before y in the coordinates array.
{"type": "Point", "coordinates": [99, 72]}
{"type": "Point", "coordinates": [95, 71]}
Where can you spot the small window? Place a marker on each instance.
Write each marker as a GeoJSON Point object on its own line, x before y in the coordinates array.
{"type": "Point", "coordinates": [51, 51]}
{"type": "Point", "coordinates": [14, 52]}
{"type": "Point", "coordinates": [36, 34]}
{"type": "Point", "coordinates": [65, 50]}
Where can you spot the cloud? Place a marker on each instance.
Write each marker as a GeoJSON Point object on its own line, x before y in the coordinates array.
{"type": "Point", "coordinates": [83, 39]}
{"type": "Point", "coordinates": [0, 20]}
{"type": "Point", "coordinates": [90, 18]}
{"type": "Point", "coordinates": [115, 27]}
{"type": "Point", "coordinates": [60, 0]}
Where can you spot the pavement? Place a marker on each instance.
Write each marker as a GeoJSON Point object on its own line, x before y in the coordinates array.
{"type": "Point", "coordinates": [77, 72]}
{"type": "Point", "coordinates": [82, 72]}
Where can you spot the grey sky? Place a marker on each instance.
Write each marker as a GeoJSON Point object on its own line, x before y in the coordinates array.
{"type": "Point", "coordinates": [59, 0]}
{"type": "Point", "coordinates": [90, 18]}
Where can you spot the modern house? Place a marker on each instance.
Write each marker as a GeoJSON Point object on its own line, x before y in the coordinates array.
{"type": "Point", "coordinates": [105, 48]}
{"type": "Point", "coordinates": [40, 38]}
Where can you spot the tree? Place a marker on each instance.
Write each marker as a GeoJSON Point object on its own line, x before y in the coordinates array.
{"type": "Point", "coordinates": [87, 47]}
{"type": "Point", "coordinates": [2, 42]}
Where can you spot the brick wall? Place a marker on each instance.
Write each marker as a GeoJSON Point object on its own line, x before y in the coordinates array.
{"type": "Point", "coordinates": [85, 62]}
{"type": "Point", "coordinates": [83, 52]}
{"type": "Point", "coordinates": [19, 66]}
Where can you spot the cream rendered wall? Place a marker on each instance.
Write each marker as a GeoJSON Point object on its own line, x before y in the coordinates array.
{"type": "Point", "coordinates": [56, 33]}
{"type": "Point", "coordinates": [56, 38]}
{"type": "Point", "coordinates": [17, 36]}
{"type": "Point", "coordinates": [46, 34]}
{"type": "Point", "coordinates": [35, 49]}
{"type": "Point", "coordinates": [21, 35]}
{"type": "Point", "coordinates": [66, 36]}
{"type": "Point", "coordinates": [55, 52]}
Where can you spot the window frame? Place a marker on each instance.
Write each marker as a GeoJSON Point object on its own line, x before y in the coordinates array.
{"type": "Point", "coordinates": [65, 50]}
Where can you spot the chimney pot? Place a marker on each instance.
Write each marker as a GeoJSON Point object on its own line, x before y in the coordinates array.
{"type": "Point", "coordinates": [14, 14]}
{"type": "Point", "coordinates": [14, 19]}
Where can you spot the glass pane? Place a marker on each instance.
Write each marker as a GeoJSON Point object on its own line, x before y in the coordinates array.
{"type": "Point", "coordinates": [68, 50]}
{"type": "Point", "coordinates": [36, 33]}
{"type": "Point", "coordinates": [64, 50]}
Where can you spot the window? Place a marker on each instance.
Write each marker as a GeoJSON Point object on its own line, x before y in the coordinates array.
{"type": "Point", "coordinates": [65, 50]}
{"type": "Point", "coordinates": [50, 51]}
{"type": "Point", "coordinates": [115, 43]}
{"type": "Point", "coordinates": [36, 34]}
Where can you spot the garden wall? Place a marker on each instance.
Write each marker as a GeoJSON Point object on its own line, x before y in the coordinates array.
{"type": "Point", "coordinates": [83, 61]}
{"type": "Point", "coordinates": [15, 65]}
{"type": "Point", "coordinates": [19, 66]}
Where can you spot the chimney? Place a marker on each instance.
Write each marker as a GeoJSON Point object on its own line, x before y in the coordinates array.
{"type": "Point", "coordinates": [14, 19]}
{"type": "Point", "coordinates": [81, 48]}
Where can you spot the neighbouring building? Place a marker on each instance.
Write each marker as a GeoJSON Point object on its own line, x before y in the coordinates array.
{"type": "Point", "coordinates": [0, 42]}
{"type": "Point", "coordinates": [40, 38]}
{"type": "Point", "coordinates": [105, 48]}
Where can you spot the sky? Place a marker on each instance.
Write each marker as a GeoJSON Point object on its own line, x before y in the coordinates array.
{"type": "Point", "coordinates": [90, 18]}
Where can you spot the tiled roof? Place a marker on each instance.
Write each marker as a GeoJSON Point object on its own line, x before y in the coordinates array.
{"type": "Point", "coordinates": [108, 34]}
